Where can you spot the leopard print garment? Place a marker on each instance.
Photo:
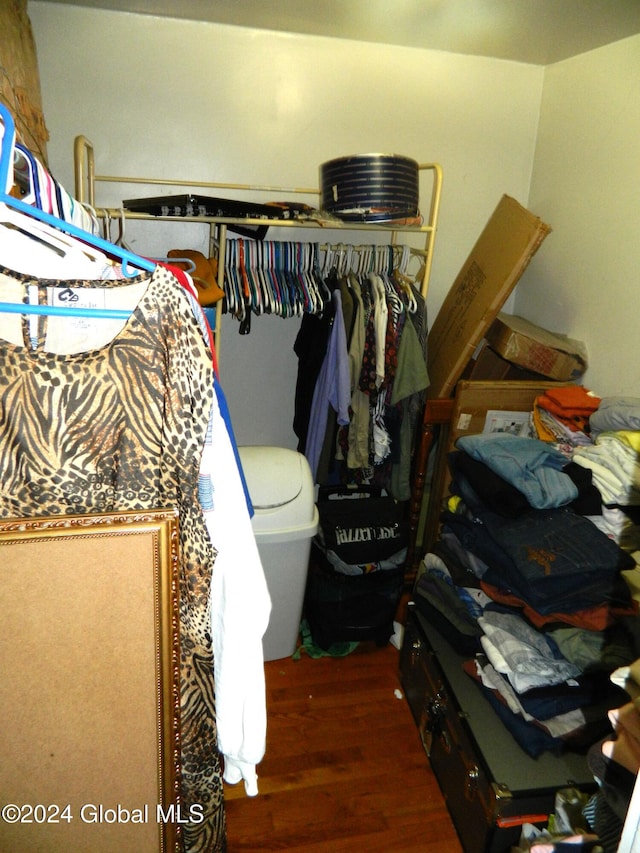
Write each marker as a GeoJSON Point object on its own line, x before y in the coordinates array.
{"type": "Point", "coordinates": [122, 428]}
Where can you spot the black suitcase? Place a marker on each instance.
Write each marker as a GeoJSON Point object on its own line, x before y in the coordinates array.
{"type": "Point", "coordinates": [356, 569]}
{"type": "Point", "coordinates": [490, 784]}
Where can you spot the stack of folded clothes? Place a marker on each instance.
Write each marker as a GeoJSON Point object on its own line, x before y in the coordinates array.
{"type": "Point", "coordinates": [529, 577]}
{"type": "Point", "coordinates": [527, 586]}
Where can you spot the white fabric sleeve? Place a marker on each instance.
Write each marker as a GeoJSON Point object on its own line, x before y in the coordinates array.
{"type": "Point", "coordinates": [240, 608]}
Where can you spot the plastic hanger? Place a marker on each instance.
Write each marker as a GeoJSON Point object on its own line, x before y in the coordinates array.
{"type": "Point", "coordinates": [35, 248]}
{"type": "Point", "coordinates": [265, 280]}
{"type": "Point", "coordinates": [255, 290]}
{"type": "Point", "coordinates": [320, 279]}
{"type": "Point", "coordinates": [23, 175]}
{"type": "Point", "coordinates": [128, 259]}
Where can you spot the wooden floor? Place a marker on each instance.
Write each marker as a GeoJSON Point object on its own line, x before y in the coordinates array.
{"type": "Point", "coordinates": [344, 768]}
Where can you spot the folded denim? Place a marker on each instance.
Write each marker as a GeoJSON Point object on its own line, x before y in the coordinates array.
{"type": "Point", "coordinates": [480, 486]}
{"type": "Point", "coordinates": [549, 558]}
{"type": "Point", "coordinates": [534, 467]}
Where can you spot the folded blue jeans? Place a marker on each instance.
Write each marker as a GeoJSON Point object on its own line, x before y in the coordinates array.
{"type": "Point", "coordinates": [552, 559]}
{"type": "Point", "coordinates": [532, 466]}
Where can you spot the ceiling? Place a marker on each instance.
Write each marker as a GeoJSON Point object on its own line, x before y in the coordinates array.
{"type": "Point", "coordinates": [532, 31]}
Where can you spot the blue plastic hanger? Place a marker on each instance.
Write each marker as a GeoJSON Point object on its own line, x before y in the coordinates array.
{"type": "Point", "coordinates": [6, 162]}
{"type": "Point", "coordinates": [61, 311]}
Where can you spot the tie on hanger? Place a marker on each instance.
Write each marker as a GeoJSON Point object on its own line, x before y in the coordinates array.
{"type": "Point", "coordinates": [128, 259]}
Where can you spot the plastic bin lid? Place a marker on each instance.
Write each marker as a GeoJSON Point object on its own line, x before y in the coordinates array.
{"type": "Point", "coordinates": [279, 482]}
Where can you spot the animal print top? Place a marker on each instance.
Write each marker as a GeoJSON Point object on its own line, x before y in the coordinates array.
{"type": "Point", "coordinates": [122, 427]}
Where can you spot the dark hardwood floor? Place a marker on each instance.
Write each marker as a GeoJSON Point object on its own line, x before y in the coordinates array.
{"type": "Point", "coordinates": [344, 768]}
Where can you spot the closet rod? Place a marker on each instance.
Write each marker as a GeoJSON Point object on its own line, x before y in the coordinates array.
{"type": "Point", "coordinates": [84, 152]}
{"type": "Point", "coordinates": [123, 179]}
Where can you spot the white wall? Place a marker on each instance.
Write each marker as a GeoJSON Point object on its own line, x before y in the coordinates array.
{"type": "Point", "coordinates": [208, 102]}
{"type": "Point", "coordinates": [586, 184]}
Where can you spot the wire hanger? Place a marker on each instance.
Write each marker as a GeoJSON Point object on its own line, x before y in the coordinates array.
{"type": "Point", "coordinates": [128, 259]}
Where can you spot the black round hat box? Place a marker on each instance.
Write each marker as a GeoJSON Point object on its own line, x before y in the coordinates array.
{"type": "Point", "coordinates": [370, 187]}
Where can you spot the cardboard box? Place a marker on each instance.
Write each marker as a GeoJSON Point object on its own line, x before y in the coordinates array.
{"type": "Point", "coordinates": [534, 348]}
{"type": "Point", "coordinates": [474, 399]}
{"type": "Point", "coordinates": [488, 365]}
{"type": "Point", "coordinates": [501, 254]}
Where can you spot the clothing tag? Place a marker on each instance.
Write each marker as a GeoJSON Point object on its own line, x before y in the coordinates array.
{"type": "Point", "coordinates": [75, 297]}
{"type": "Point", "coordinates": [69, 334]}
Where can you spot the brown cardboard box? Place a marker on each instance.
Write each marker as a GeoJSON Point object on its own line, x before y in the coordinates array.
{"type": "Point", "coordinates": [534, 348]}
{"type": "Point", "coordinates": [474, 399]}
{"type": "Point", "coordinates": [500, 256]}
{"type": "Point", "coordinates": [489, 366]}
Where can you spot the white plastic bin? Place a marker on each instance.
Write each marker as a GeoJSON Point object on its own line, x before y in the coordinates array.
{"type": "Point", "coordinates": [284, 522]}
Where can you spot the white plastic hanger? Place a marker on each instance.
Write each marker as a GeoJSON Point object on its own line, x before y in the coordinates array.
{"type": "Point", "coordinates": [38, 191]}
{"type": "Point", "coordinates": [35, 220]}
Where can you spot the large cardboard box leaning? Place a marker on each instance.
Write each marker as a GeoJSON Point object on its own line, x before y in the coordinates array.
{"type": "Point", "coordinates": [501, 254]}
{"type": "Point", "coordinates": [534, 348]}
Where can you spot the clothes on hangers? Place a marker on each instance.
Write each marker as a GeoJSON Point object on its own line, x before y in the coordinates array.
{"type": "Point", "coordinates": [357, 442]}
{"type": "Point", "coordinates": [331, 389]}
{"type": "Point", "coordinates": [240, 601]}
{"type": "Point", "coordinates": [408, 394]}
{"type": "Point", "coordinates": [160, 349]}
{"type": "Point", "coordinates": [106, 419]}
{"type": "Point", "coordinates": [240, 608]}
{"type": "Point", "coordinates": [310, 347]}
{"type": "Point", "coordinates": [386, 359]}
{"type": "Point", "coordinates": [194, 298]}
{"type": "Point", "coordinates": [137, 411]}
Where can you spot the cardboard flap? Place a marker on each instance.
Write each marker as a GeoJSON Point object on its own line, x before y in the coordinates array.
{"type": "Point", "coordinates": [501, 254]}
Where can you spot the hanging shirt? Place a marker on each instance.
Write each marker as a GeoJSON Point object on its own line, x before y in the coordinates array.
{"type": "Point", "coordinates": [240, 607]}
{"type": "Point", "coordinates": [332, 388]}
{"type": "Point", "coordinates": [122, 427]}
{"type": "Point", "coordinates": [358, 432]}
